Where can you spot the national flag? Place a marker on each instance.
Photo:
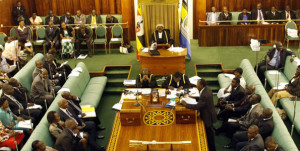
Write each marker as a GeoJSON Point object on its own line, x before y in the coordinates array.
{"type": "Point", "coordinates": [140, 40]}
{"type": "Point", "coordinates": [184, 30]}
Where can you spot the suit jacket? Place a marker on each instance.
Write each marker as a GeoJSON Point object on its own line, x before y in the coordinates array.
{"type": "Point", "coordinates": [146, 84]}
{"type": "Point", "coordinates": [55, 130]}
{"type": "Point", "coordinates": [254, 14]}
{"type": "Point", "coordinates": [184, 82]}
{"type": "Point", "coordinates": [36, 72]}
{"type": "Point", "coordinates": [265, 126]}
{"type": "Point", "coordinates": [80, 20]}
{"type": "Point", "coordinates": [38, 90]}
{"type": "Point", "coordinates": [98, 19]}
{"type": "Point", "coordinates": [75, 105]}
{"type": "Point", "coordinates": [51, 68]}
{"type": "Point", "coordinates": [14, 106]}
{"type": "Point", "coordinates": [20, 94]}
{"type": "Point", "coordinates": [236, 95]}
{"type": "Point", "coordinates": [26, 33]}
{"type": "Point", "coordinates": [69, 29]}
{"type": "Point", "coordinates": [64, 116]}
{"type": "Point", "coordinates": [206, 107]}
{"type": "Point", "coordinates": [165, 37]}
{"type": "Point", "coordinates": [242, 107]}
{"type": "Point", "coordinates": [252, 114]}
{"type": "Point", "coordinates": [283, 54]}
{"type": "Point", "coordinates": [271, 16]}
{"type": "Point", "coordinates": [240, 17]}
{"type": "Point", "coordinates": [283, 15]}
{"type": "Point", "coordinates": [257, 144]}
{"type": "Point", "coordinates": [209, 17]}
{"type": "Point", "coordinates": [67, 141]}
{"type": "Point", "coordinates": [279, 148]}
{"type": "Point", "coordinates": [55, 20]}
{"type": "Point", "coordinates": [114, 20]}
{"type": "Point", "coordinates": [69, 20]}
{"type": "Point", "coordinates": [294, 87]}
{"type": "Point", "coordinates": [222, 17]}
{"type": "Point", "coordinates": [81, 37]}
{"type": "Point", "coordinates": [16, 13]}
{"type": "Point", "coordinates": [54, 36]}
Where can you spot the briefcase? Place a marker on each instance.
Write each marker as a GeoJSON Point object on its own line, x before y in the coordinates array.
{"type": "Point", "coordinates": [154, 52]}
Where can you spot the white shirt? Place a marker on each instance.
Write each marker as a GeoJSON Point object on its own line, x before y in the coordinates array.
{"type": "Point", "coordinates": [21, 28]}
{"type": "Point", "coordinates": [274, 59]}
{"type": "Point", "coordinates": [213, 17]}
{"type": "Point", "coordinates": [261, 15]}
{"type": "Point", "coordinates": [288, 14]}
{"type": "Point", "coordinates": [160, 35]}
{"type": "Point", "coordinates": [253, 106]}
{"type": "Point", "coordinates": [37, 21]}
{"type": "Point", "coordinates": [12, 50]}
{"type": "Point", "coordinates": [201, 91]}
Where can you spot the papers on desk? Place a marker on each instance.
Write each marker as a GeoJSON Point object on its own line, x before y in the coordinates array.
{"type": "Point", "coordinates": [171, 104]}
{"type": "Point", "coordinates": [146, 91]}
{"type": "Point", "coordinates": [89, 111]}
{"type": "Point", "coordinates": [82, 56]}
{"type": "Point", "coordinates": [145, 50]}
{"type": "Point", "coordinates": [28, 44]}
{"type": "Point", "coordinates": [231, 76]}
{"type": "Point", "coordinates": [64, 63]}
{"type": "Point", "coordinates": [273, 72]}
{"type": "Point", "coordinates": [189, 100]}
{"type": "Point", "coordinates": [129, 82]}
{"type": "Point", "coordinates": [117, 107]}
{"type": "Point", "coordinates": [64, 89]}
{"type": "Point", "coordinates": [194, 80]}
{"type": "Point", "coordinates": [281, 86]}
{"type": "Point", "coordinates": [292, 32]}
{"type": "Point", "coordinates": [176, 49]}
{"type": "Point", "coordinates": [162, 92]}
{"type": "Point", "coordinates": [35, 106]}
{"type": "Point", "coordinates": [194, 92]}
{"type": "Point", "coordinates": [171, 96]}
{"type": "Point", "coordinates": [25, 124]}
{"type": "Point", "coordinates": [232, 120]}
{"type": "Point", "coordinates": [255, 45]}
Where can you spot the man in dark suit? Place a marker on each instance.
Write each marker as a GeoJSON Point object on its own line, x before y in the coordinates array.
{"type": "Point", "coordinates": [265, 124]}
{"type": "Point", "coordinates": [65, 112]}
{"type": "Point", "coordinates": [245, 121]}
{"type": "Point", "coordinates": [258, 14]}
{"type": "Point", "coordinates": [271, 144]}
{"type": "Point", "coordinates": [19, 12]}
{"type": "Point", "coordinates": [146, 80]}
{"type": "Point", "coordinates": [93, 18]}
{"type": "Point", "coordinates": [83, 34]}
{"type": "Point", "coordinates": [255, 142]}
{"type": "Point", "coordinates": [68, 19]}
{"type": "Point", "coordinates": [111, 19]}
{"type": "Point", "coordinates": [244, 17]}
{"type": "Point", "coordinates": [273, 15]}
{"type": "Point", "coordinates": [51, 17]}
{"type": "Point", "coordinates": [160, 35]}
{"type": "Point", "coordinates": [20, 92]}
{"type": "Point", "coordinates": [177, 80]}
{"type": "Point", "coordinates": [237, 94]}
{"type": "Point", "coordinates": [239, 108]}
{"type": "Point", "coordinates": [69, 139]}
{"type": "Point", "coordinates": [225, 16]}
{"type": "Point", "coordinates": [275, 60]}
{"type": "Point", "coordinates": [207, 111]}
{"type": "Point", "coordinates": [288, 14]}
{"type": "Point", "coordinates": [38, 68]}
{"type": "Point", "coordinates": [52, 37]}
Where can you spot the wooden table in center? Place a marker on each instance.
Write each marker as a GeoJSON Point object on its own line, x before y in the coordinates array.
{"type": "Point", "coordinates": [150, 122]}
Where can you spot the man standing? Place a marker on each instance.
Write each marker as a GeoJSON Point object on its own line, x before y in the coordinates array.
{"type": "Point", "coordinates": [258, 14]}
{"type": "Point", "coordinates": [83, 35]}
{"type": "Point", "coordinates": [52, 18]}
{"type": "Point", "coordinates": [146, 80]}
{"type": "Point", "coordinates": [18, 13]}
{"type": "Point", "coordinates": [207, 112]}
{"type": "Point", "coordinates": [212, 16]}
{"type": "Point", "coordinates": [52, 37]}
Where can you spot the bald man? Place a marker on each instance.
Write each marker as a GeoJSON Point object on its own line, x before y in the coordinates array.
{"type": "Point", "coordinates": [271, 144]}
{"type": "Point", "coordinates": [255, 141]}
{"type": "Point", "coordinates": [38, 68]}
{"type": "Point", "coordinates": [258, 13]}
{"type": "Point", "coordinates": [146, 80]}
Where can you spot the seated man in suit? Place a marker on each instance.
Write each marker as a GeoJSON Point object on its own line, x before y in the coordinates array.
{"type": "Point", "coordinates": [38, 68]}
{"type": "Point", "coordinates": [177, 80]}
{"type": "Point", "coordinates": [68, 19]}
{"type": "Point", "coordinates": [66, 112]}
{"type": "Point", "coordinates": [79, 18]}
{"type": "Point", "coordinates": [52, 18]}
{"type": "Point", "coordinates": [275, 59]}
{"type": "Point", "coordinates": [74, 104]}
{"type": "Point", "coordinates": [212, 16]}
{"type": "Point", "coordinates": [239, 108]}
{"type": "Point", "coordinates": [207, 111]}
{"type": "Point", "coordinates": [70, 138]}
{"type": "Point", "coordinates": [271, 144]}
{"type": "Point", "coordinates": [288, 14]}
{"type": "Point", "coordinates": [256, 142]}
{"type": "Point", "coordinates": [52, 37]}
{"type": "Point", "coordinates": [244, 17]}
{"type": "Point", "coordinates": [94, 19]}
{"type": "Point", "coordinates": [20, 92]}
{"type": "Point", "coordinates": [265, 124]}
{"type": "Point", "coordinates": [273, 15]}
{"type": "Point", "coordinates": [292, 89]}
{"type": "Point", "coordinates": [55, 70]}
{"type": "Point", "coordinates": [20, 107]}
{"type": "Point", "coordinates": [237, 93]}
{"type": "Point", "coordinates": [258, 14]}
{"type": "Point", "coordinates": [111, 19]}
{"type": "Point", "coordinates": [146, 80]}
{"type": "Point", "coordinates": [42, 89]}
{"type": "Point", "coordinates": [245, 121]}
{"type": "Point", "coordinates": [225, 16]}
{"type": "Point", "coordinates": [160, 35]}
{"type": "Point", "coordinates": [83, 34]}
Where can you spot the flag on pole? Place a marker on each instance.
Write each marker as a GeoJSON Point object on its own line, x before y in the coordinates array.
{"type": "Point", "coordinates": [184, 30]}
{"type": "Point", "coordinates": [140, 40]}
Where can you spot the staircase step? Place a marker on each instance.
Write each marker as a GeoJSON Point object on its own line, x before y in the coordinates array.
{"type": "Point", "coordinates": [121, 71]}
{"type": "Point", "coordinates": [214, 87]}
{"type": "Point", "coordinates": [116, 80]}
{"type": "Point", "coordinates": [116, 76]}
{"type": "Point", "coordinates": [209, 78]}
{"type": "Point", "coordinates": [114, 90]}
{"type": "Point", "coordinates": [209, 70]}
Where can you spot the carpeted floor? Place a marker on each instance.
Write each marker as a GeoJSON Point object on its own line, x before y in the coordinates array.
{"type": "Point", "coordinates": [230, 57]}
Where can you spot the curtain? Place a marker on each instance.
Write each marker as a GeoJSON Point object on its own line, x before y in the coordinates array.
{"type": "Point", "coordinates": [166, 14]}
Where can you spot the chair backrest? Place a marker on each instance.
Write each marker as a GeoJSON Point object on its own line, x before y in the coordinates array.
{"type": "Point", "coordinates": [117, 31]}
{"type": "Point", "coordinates": [12, 32]}
{"type": "Point", "coordinates": [40, 33]}
{"type": "Point", "coordinates": [2, 36]}
{"type": "Point", "coordinates": [100, 32]}
{"type": "Point", "coordinates": [31, 33]}
{"type": "Point", "coordinates": [290, 25]}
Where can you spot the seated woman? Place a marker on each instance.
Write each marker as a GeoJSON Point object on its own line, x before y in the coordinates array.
{"type": "Point", "coordinates": [35, 20]}
{"type": "Point", "coordinates": [56, 125]}
{"type": "Point", "coordinates": [40, 146]}
{"type": "Point", "coordinates": [225, 16]}
{"type": "Point", "coordinates": [161, 35]}
{"type": "Point", "coordinates": [67, 35]}
{"type": "Point", "coordinates": [244, 17]}
{"type": "Point", "coordinates": [7, 137]}
{"type": "Point", "coordinates": [291, 90]}
{"type": "Point", "coordinates": [23, 32]}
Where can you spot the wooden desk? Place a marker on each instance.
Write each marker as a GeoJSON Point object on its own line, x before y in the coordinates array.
{"type": "Point", "coordinates": [119, 140]}
{"type": "Point", "coordinates": [239, 35]}
{"type": "Point", "coordinates": [165, 64]}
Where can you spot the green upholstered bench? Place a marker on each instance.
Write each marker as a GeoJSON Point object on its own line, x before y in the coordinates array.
{"type": "Point", "coordinates": [280, 132]}
{"type": "Point", "coordinates": [90, 91]}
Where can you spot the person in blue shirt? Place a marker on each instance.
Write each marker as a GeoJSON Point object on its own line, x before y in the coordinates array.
{"type": "Point", "coordinates": [244, 17]}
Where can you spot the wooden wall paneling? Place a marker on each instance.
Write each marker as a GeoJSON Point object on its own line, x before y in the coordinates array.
{"type": "Point", "coordinates": [119, 6]}
{"type": "Point", "coordinates": [199, 11]}
{"type": "Point", "coordinates": [105, 7]}
{"type": "Point", "coordinates": [128, 16]}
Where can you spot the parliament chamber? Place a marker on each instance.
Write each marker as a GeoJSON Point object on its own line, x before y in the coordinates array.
{"type": "Point", "coordinates": [149, 75]}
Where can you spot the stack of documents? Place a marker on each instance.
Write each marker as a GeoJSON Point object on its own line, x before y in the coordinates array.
{"type": "Point", "coordinates": [176, 49]}
{"type": "Point", "coordinates": [171, 104]}
{"type": "Point", "coordinates": [117, 107]}
{"type": "Point", "coordinates": [89, 111]}
{"type": "Point", "coordinates": [129, 82]}
{"type": "Point", "coordinates": [194, 80]}
{"type": "Point", "coordinates": [281, 86]}
{"type": "Point", "coordinates": [25, 124]}
{"type": "Point", "coordinates": [292, 32]}
{"type": "Point", "coordinates": [255, 45]}
{"type": "Point", "coordinates": [231, 76]}
{"type": "Point", "coordinates": [189, 100]}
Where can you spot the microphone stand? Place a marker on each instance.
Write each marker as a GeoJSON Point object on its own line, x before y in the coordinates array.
{"type": "Point", "coordinates": [136, 98]}
{"type": "Point", "coordinates": [15, 140]}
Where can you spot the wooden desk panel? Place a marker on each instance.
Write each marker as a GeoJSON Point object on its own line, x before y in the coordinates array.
{"type": "Point", "coordinates": [164, 64]}
{"type": "Point", "coordinates": [239, 35]}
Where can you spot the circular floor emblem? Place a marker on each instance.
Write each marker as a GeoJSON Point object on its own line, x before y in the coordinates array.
{"type": "Point", "coordinates": [158, 118]}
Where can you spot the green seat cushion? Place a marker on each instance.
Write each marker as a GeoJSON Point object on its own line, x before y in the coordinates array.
{"type": "Point", "coordinates": [100, 41]}
{"type": "Point", "coordinates": [292, 38]}
{"type": "Point", "coordinates": [93, 91]}
{"type": "Point", "coordinates": [290, 67]}
{"type": "Point", "coordinates": [273, 78]}
{"type": "Point", "coordinates": [288, 105]}
{"type": "Point", "coordinates": [223, 80]}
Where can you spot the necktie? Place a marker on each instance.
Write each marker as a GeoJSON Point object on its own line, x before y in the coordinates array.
{"type": "Point", "coordinates": [244, 101]}
{"type": "Point", "coordinates": [288, 15]}
{"type": "Point", "coordinates": [71, 116]}
{"type": "Point", "coordinates": [51, 29]}
{"type": "Point", "coordinates": [75, 106]}
{"type": "Point", "coordinates": [277, 60]}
